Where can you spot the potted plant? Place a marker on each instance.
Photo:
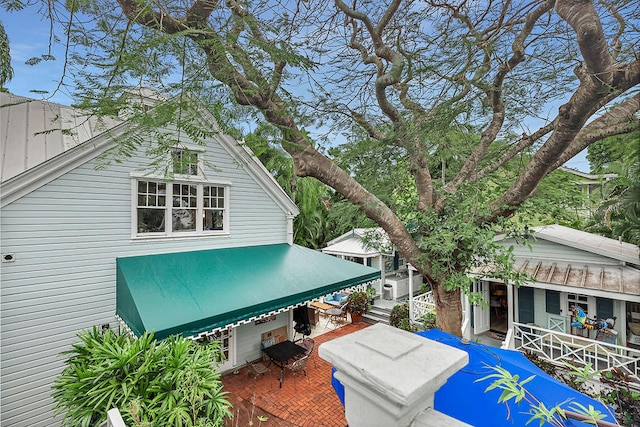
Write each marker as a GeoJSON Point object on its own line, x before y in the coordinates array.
{"type": "Point", "coordinates": [371, 294]}
{"type": "Point", "coordinates": [357, 305]}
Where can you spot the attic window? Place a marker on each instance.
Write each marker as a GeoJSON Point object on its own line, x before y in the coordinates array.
{"type": "Point", "coordinates": [184, 162]}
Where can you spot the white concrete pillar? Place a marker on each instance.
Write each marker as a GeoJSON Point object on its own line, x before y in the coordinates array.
{"type": "Point", "coordinates": [390, 376]}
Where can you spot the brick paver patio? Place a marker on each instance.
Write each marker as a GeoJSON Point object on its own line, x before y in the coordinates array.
{"type": "Point", "coordinates": [302, 401]}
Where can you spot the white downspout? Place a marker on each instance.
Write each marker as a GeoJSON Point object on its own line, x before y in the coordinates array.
{"type": "Point", "coordinates": [290, 229]}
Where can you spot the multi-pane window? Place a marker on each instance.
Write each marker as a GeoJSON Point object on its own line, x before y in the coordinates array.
{"type": "Point", "coordinates": [184, 162]}
{"type": "Point", "coordinates": [180, 208]}
{"type": "Point", "coordinates": [185, 207]}
{"type": "Point", "coordinates": [152, 200]}
{"type": "Point", "coordinates": [213, 207]}
{"type": "Point", "coordinates": [578, 300]}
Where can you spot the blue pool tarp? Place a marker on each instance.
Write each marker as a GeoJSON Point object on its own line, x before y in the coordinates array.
{"type": "Point", "coordinates": [463, 398]}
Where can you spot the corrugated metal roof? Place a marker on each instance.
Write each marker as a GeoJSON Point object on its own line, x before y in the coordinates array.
{"type": "Point", "coordinates": [610, 278]}
{"type": "Point", "coordinates": [33, 132]}
{"type": "Point", "coordinates": [619, 274]}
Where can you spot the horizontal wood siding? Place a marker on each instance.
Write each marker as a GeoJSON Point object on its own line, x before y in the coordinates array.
{"type": "Point", "coordinates": [66, 236]}
{"type": "Point", "coordinates": [248, 344]}
{"type": "Point", "coordinates": [543, 249]}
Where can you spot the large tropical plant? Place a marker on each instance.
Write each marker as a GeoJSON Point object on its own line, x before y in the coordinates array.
{"type": "Point", "coordinates": [618, 216]}
{"type": "Point", "coordinates": [175, 382]}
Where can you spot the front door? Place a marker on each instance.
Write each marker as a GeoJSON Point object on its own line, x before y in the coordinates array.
{"type": "Point", "coordinates": [481, 313]}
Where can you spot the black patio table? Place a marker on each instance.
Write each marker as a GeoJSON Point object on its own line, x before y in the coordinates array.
{"type": "Point", "coordinates": [282, 352]}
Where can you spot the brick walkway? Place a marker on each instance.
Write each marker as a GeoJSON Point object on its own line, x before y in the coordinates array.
{"type": "Point", "coordinates": [302, 401]}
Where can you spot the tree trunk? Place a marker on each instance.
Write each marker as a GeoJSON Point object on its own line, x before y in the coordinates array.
{"type": "Point", "coordinates": [448, 309]}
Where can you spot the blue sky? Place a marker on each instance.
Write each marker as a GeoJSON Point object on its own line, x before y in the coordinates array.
{"type": "Point", "coordinates": [28, 36]}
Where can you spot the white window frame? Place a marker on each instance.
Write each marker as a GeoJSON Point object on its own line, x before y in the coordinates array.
{"type": "Point", "coordinates": [168, 232]}
{"type": "Point", "coordinates": [195, 150]}
{"type": "Point", "coordinates": [588, 300]}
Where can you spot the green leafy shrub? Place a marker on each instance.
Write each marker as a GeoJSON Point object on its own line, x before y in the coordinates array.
{"type": "Point", "coordinates": [175, 382]}
{"type": "Point", "coordinates": [625, 401]}
{"type": "Point", "coordinates": [400, 317]}
{"type": "Point", "coordinates": [429, 320]}
{"type": "Point", "coordinates": [358, 302]}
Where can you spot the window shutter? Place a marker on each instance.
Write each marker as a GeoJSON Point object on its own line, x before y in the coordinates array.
{"type": "Point", "coordinates": [525, 305]}
{"type": "Point", "coordinates": [604, 308]}
{"type": "Point", "coordinates": [552, 302]}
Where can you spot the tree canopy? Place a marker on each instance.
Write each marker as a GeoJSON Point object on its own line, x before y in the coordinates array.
{"type": "Point", "coordinates": [537, 82]}
{"type": "Point", "coordinates": [618, 216]}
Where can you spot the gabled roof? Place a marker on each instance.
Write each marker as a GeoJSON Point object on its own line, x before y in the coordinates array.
{"type": "Point", "coordinates": [589, 242]}
{"type": "Point", "coordinates": [351, 243]}
{"type": "Point", "coordinates": [37, 147]}
{"type": "Point", "coordinates": [589, 178]}
{"type": "Point", "coordinates": [34, 132]}
{"type": "Point", "coordinates": [616, 271]}
{"type": "Point", "coordinates": [195, 292]}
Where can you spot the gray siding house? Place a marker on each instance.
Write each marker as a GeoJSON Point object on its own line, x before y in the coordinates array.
{"type": "Point", "coordinates": [567, 268]}
{"type": "Point", "coordinates": [68, 230]}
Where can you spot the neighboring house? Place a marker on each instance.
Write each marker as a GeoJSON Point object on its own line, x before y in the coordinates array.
{"type": "Point", "coordinates": [591, 186]}
{"type": "Point", "coordinates": [569, 268]}
{"type": "Point", "coordinates": [372, 247]}
{"type": "Point", "coordinates": [207, 254]}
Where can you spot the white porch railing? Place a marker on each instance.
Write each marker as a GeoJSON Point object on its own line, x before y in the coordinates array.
{"type": "Point", "coordinates": [557, 347]}
{"type": "Point", "coordinates": [421, 305]}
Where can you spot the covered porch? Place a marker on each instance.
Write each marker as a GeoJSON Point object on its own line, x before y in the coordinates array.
{"type": "Point", "coordinates": [237, 295]}
{"type": "Point", "coordinates": [552, 345]}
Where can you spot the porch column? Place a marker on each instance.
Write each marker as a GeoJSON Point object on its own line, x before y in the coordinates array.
{"type": "Point", "coordinates": [511, 308]}
{"type": "Point", "coordinates": [466, 316]}
{"type": "Point", "coordinates": [410, 269]}
{"type": "Point", "coordinates": [390, 376]}
{"type": "Point", "coordinates": [382, 273]}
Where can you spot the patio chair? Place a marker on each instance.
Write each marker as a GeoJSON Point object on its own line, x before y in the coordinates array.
{"type": "Point", "coordinates": [297, 366]}
{"type": "Point", "coordinates": [338, 319]}
{"type": "Point", "coordinates": [256, 369]}
{"type": "Point", "coordinates": [309, 344]}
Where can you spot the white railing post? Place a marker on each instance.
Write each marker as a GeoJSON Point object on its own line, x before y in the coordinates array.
{"type": "Point", "coordinates": [114, 419]}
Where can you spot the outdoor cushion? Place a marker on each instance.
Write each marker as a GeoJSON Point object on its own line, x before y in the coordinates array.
{"type": "Point", "coordinates": [336, 299]}
{"type": "Point", "coordinates": [268, 342]}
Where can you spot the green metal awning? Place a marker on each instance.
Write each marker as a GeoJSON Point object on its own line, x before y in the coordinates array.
{"type": "Point", "coordinates": [188, 293]}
